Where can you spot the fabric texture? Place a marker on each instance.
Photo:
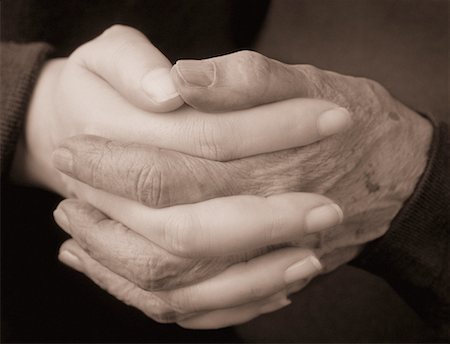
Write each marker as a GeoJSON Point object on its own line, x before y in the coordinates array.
{"type": "Point", "coordinates": [20, 66]}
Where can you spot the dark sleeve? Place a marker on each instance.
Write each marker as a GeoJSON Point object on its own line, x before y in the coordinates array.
{"type": "Point", "coordinates": [413, 255]}
{"type": "Point", "coordinates": [20, 65]}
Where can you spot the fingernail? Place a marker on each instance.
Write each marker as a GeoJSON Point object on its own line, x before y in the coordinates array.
{"type": "Point", "coordinates": [274, 306]}
{"type": "Point", "coordinates": [158, 85]}
{"type": "Point", "coordinates": [323, 217]}
{"type": "Point", "coordinates": [334, 121]}
{"type": "Point", "coordinates": [303, 269]}
{"type": "Point", "coordinates": [63, 160]}
{"type": "Point", "coordinates": [61, 219]}
{"type": "Point", "coordinates": [196, 73]}
{"type": "Point", "coordinates": [70, 259]}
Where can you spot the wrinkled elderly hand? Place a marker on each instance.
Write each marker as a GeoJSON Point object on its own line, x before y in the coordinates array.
{"type": "Point", "coordinates": [93, 92]}
{"type": "Point", "coordinates": [370, 169]}
{"type": "Point", "coordinates": [114, 86]}
{"type": "Point", "coordinates": [190, 241]}
{"type": "Point", "coordinates": [180, 246]}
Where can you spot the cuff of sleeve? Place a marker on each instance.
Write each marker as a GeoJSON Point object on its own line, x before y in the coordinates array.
{"type": "Point", "coordinates": [413, 255]}
{"type": "Point", "coordinates": [20, 67]}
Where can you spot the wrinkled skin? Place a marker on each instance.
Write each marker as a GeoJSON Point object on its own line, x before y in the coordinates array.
{"type": "Point", "coordinates": [370, 170]}
{"type": "Point", "coordinates": [139, 260]}
{"type": "Point", "coordinates": [99, 90]}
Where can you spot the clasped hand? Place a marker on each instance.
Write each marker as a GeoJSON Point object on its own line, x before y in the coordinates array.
{"type": "Point", "coordinates": [211, 213]}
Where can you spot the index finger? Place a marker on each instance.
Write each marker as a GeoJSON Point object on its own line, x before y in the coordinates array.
{"type": "Point", "coordinates": [225, 136]}
{"type": "Point", "coordinates": [242, 80]}
{"type": "Point", "coordinates": [221, 226]}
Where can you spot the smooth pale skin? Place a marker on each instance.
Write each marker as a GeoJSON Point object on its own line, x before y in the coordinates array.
{"type": "Point", "coordinates": [371, 169]}
{"type": "Point", "coordinates": [99, 90]}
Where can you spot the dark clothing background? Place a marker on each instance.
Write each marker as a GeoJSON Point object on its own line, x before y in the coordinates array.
{"type": "Point", "coordinates": [179, 28]}
{"type": "Point", "coordinates": [401, 44]}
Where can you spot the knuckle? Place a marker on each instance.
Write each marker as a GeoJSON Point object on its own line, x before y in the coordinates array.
{"type": "Point", "coordinates": [156, 269]}
{"type": "Point", "coordinates": [146, 277]}
{"type": "Point", "coordinates": [218, 142]}
{"type": "Point", "coordinates": [118, 35]}
{"type": "Point", "coordinates": [97, 162]}
{"type": "Point", "coordinates": [165, 316]}
{"type": "Point", "coordinates": [76, 55]}
{"type": "Point", "coordinates": [155, 272]}
{"type": "Point", "coordinates": [272, 229]}
{"type": "Point", "coordinates": [182, 299]}
{"type": "Point", "coordinates": [214, 150]}
{"type": "Point", "coordinates": [310, 69]}
{"type": "Point", "coordinates": [160, 311]}
{"type": "Point", "coordinates": [182, 234]}
{"type": "Point", "coordinates": [255, 70]}
{"type": "Point", "coordinates": [374, 97]}
{"type": "Point", "coordinates": [120, 40]}
{"type": "Point", "coordinates": [208, 142]}
{"type": "Point", "coordinates": [374, 88]}
{"type": "Point", "coordinates": [252, 59]}
{"type": "Point", "coordinates": [83, 225]}
{"type": "Point", "coordinates": [82, 54]}
{"type": "Point", "coordinates": [117, 30]}
{"type": "Point", "coordinates": [149, 187]}
{"type": "Point", "coordinates": [120, 51]}
{"type": "Point", "coordinates": [312, 74]}
{"type": "Point", "coordinates": [90, 235]}
{"type": "Point", "coordinates": [125, 292]}
{"type": "Point", "coordinates": [256, 293]}
{"type": "Point", "coordinates": [172, 273]}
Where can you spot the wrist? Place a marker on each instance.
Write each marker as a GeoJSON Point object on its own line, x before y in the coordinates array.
{"type": "Point", "coordinates": [399, 160]}
{"type": "Point", "coordinates": [32, 160]}
{"type": "Point", "coordinates": [416, 142]}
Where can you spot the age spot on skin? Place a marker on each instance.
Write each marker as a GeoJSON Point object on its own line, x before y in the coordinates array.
{"type": "Point", "coordinates": [370, 185]}
{"type": "Point", "coordinates": [394, 116]}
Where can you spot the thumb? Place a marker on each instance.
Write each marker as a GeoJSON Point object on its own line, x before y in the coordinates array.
{"type": "Point", "coordinates": [240, 80]}
{"type": "Point", "coordinates": [124, 58]}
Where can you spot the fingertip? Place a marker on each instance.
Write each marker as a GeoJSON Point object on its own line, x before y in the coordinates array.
{"type": "Point", "coordinates": [195, 81]}
{"type": "Point", "coordinates": [323, 217]}
{"type": "Point", "coordinates": [69, 204]}
{"type": "Point", "coordinates": [334, 121]}
{"type": "Point", "coordinates": [62, 159]}
{"type": "Point", "coordinates": [302, 269]}
{"type": "Point", "coordinates": [69, 255]}
{"type": "Point", "coordinates": [68, 258]}
{"type": "Point", "coordinates": [80, 213]}
{"type": "Point", "coordinates": [195, 73]}
{"type": "Point", "coordinates": [159, 87]}
{"type": "Point", "coordinates": [61, 218]}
